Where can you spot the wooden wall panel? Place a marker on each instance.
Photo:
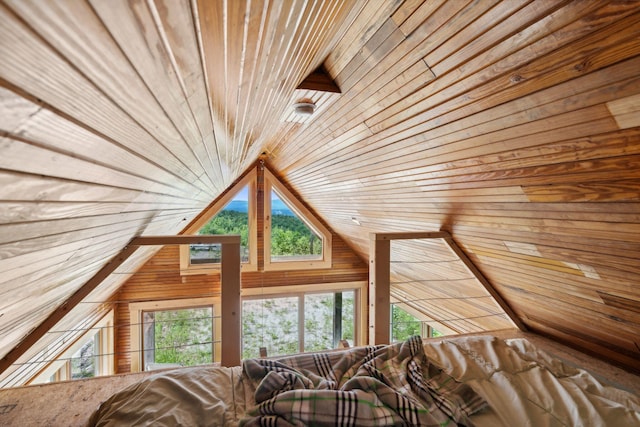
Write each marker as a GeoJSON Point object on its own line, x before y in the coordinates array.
{"type": "Point", "coordinates": [160, 279]}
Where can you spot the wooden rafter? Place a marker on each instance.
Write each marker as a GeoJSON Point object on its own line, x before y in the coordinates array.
{"type": "Point", "coordinates": [231, 277]}
{"type": "Point", "coordinates": [380, 280]}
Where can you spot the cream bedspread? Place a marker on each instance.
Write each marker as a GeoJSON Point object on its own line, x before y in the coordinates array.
{"type": "Point", "coordinates": [523, 386]}
{"type": "Point", "coordinates": [199, 396]}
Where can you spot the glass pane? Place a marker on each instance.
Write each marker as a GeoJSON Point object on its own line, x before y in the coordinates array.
{"type": "Point", "coordinates": [291, 238]}
{"type": "Point", "coordinates": [206, 253]}
{"type": "Point", "coordinates": [180, 337]}
{"type": "Point", "coordinates": [403, 324]}
{"type": "Point", "coordinates": [318, 322]}
{"type": "Point", "coordinates": [232, 219]}
{"type": "Point", "coordinates": [83, 362]}
{"type": "Point", "coordinates": [349, 317]}
{"type": "Point", "coordinates": [271, 323]}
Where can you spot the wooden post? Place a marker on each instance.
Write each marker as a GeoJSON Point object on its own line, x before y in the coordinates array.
{"type": "Point", "coordinates": [231, 242]}
{"type": "Point", "coordinates": [379, 289]}
{"type": "Point", "coordinates": [231, 307]}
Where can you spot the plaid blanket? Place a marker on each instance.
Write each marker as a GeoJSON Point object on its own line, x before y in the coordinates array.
{"type": "Point", "coordinates": [392, 385]}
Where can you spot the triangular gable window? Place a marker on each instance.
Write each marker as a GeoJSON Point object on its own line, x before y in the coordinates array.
{"type": "Point", "coordinates": [233, 213]}
{"type": "Point", "coordinates": [294, 238]}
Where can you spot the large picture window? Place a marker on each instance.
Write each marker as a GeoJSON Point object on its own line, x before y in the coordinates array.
{"type": "Point", "coordinates": [299, 320]}
{"type": "Point", "coordinates": [171, 333]}
{"type": "Point", "coordinates": [290, 319]}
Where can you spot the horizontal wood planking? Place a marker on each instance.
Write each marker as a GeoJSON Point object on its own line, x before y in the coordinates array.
{"type": "Point", "coordinates": [69, 91]}
{"type": "Point", "coordinates": [517, 139]}
{"type": "Point", "coordinates": [510, 124]}
{"type": "Point", "coordinates": [160, 279]}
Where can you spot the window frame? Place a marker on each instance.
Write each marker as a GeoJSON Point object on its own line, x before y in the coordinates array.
{"type": "Point", "coordinates": [250, 180]}
{"type": "Point", "coordinates": [60, 369]}
{"type": "Point", "coordinates": [272, 183]}
{"type": "Point", "coordinates": [137, 309]}
{"type": "Point", "coordinates": [360, 303]}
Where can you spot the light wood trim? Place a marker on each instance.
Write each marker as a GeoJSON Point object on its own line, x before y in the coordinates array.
{"type": "Point", "coordinates": [220, 203]}
{"type": "Point", "coordinates": [250, 180]}
{"type": "Point", "coordinates": [231, 306]}
{"type": "Point", "coordinates": [379, 290]}
{"type": "Point", "coordinates": [135, 321]}
{"type": "Point", "coordinates": [184, 240]}
{"type": "Point", "coordinates": [487, 285]}
{"type": "Point", "coordinates": [271, 182]}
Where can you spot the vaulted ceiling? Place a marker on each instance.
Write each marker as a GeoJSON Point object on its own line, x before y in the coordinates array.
{"type": "Point", "coordinates": [514, 125]}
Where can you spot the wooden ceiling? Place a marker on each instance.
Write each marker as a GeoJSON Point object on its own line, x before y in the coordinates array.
{"type": "Point", "coordinates": [514, 125]}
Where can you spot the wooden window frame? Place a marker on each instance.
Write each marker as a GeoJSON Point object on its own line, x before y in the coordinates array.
{"type": "Point", "coordinates": [250, 180]}
{"type": "Point", "coordinates": [272, 183]}
{"type": "Point", "coordinates": [360, 305]}
{"type": "Point", "coordinates": [137, 309]}
{"type": "Point", "coordinates": [61, 367]}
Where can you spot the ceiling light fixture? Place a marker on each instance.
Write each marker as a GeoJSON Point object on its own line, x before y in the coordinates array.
{"type": "Point", "coordinates": [304, 107]}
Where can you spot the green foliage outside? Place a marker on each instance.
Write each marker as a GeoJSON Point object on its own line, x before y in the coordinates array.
{"type": "Point", "coordinates": [349, 317]}
{"type": "Point", "coordinates": [229, 222]}
{"type": "Point", "coordinates": [291, 236]}
{"type": "Point", "coordinates": [183, 336]}
{"type": "Point", "coordinates": [403, 324]}
{"type": "Point", "coordinates": [273, 323]}
{"type": "Point", "coordinates": [318, 322]}
{"type": "Point", "coordinates": [270, 323]}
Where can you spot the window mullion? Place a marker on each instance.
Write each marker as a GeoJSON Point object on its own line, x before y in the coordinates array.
{"type": "Point", "coordinates": [337, 318]}
{"type": "Point", "coordinates": [301, 323]}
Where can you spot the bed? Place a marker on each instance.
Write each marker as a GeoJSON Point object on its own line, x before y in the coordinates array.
{"type": "Point", "coordinates": [480, 380]}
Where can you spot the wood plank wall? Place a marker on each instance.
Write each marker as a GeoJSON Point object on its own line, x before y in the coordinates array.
{"type": "Point", "coordinates": [160, 279]}
{"type": "Point", "coordinates": [86, 160]}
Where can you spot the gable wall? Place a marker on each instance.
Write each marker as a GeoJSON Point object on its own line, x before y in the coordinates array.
{"type": "Point", "coordinates": [160, 279]}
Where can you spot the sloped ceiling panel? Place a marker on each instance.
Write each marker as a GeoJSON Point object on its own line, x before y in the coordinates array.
{"type": "Point", "coordinates": [511, 124]}
{"type": "Point", "coordinates": [504, 123]}
{"type": "Point", "coordinates": [114, 125]}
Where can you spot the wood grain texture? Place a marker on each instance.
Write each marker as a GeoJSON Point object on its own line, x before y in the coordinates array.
{"type": "Point", "coordinates": [512, 124]}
